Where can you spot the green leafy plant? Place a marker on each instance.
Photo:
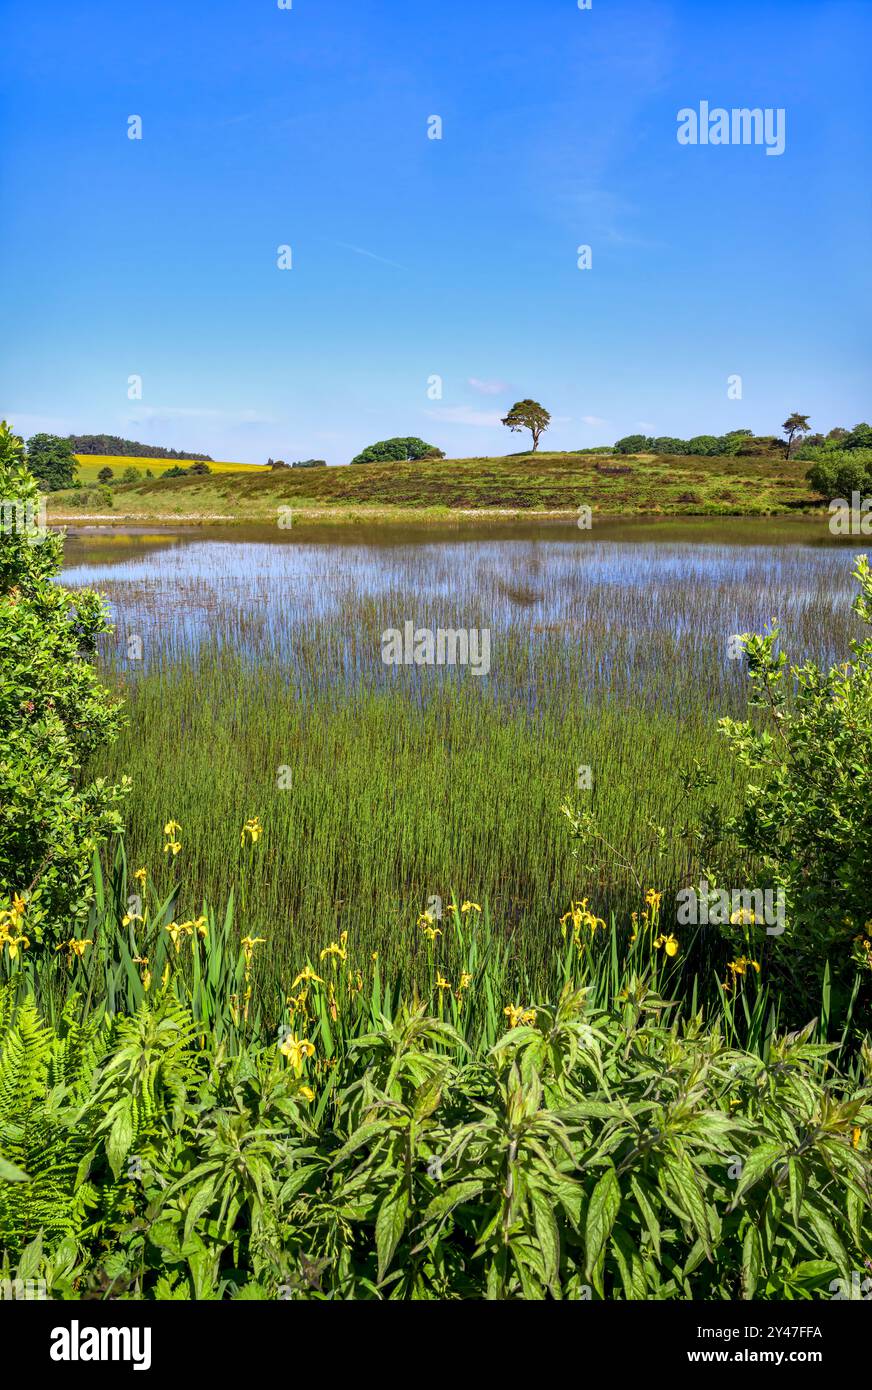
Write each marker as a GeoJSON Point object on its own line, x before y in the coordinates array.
{"type": "Point", "coordinates": [587, 1154]}
{"type": "Point", "coordinates": [806, 821]}
{"type": "Point", "coordinates": [53, 714]}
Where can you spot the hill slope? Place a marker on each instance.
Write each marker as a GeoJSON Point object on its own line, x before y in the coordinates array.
{"type": "Point", "coordinates": [544, 482]}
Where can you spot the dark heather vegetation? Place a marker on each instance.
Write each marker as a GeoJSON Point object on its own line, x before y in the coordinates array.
{"type": "Point", "coordinates": [737, 473]}
{"type": "Point", "coordinates": [621, 1106]}
{"type": "Point", "coordinates": [728, 485]}
{"type": "Point", "coordinates": [298, 463]}
{"type": "Point", "coordinates": [197, 470]}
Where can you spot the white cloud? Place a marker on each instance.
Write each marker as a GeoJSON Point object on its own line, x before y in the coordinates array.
{"type": "Point", "coordinates": [26, 425]}
{"type": "Point", "coordinates": [488, 388]}
{"type": "Point", "coordinates": [463, 415]}
{"type": "Point", "coordinates": [594, 421]}
{"type": "Point", "coordinates": [152, 415]}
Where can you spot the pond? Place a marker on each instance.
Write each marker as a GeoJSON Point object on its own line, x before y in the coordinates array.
{"type": "Point", "coordinates": [624, 604]}
{"type": "Point", "coordinates": [253, 667]}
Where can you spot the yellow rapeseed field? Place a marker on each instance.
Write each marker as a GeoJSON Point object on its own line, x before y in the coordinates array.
{"type": "Point", "coordinates": [90, 465]}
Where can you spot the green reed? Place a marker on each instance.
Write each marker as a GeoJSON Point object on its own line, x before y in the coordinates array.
{"type": "Point", "coordinates": [374, 803]}
{"type": "Point", "coordinates": [263, 694]}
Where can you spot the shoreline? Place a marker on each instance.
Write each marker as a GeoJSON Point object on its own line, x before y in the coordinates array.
{"type": "Point", "coordinates": [357, 515]}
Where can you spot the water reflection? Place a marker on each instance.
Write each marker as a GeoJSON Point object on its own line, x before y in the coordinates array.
{"type": "Point", "coordinates": [610, 607]}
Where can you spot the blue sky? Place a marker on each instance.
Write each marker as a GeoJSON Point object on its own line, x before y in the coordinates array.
{"type": "Point", "coordinates": [413, 257]}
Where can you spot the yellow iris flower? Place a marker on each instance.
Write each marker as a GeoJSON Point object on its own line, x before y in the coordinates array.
{"type": "Point", "coordinates": [518, 1017]}
{"type": "Point", "coordinates": [307, 976]}
{"type": "Point", "coordinates": [74, 947]}
{"type": "Point", "coordinates": [296, 1050]}
{"type": "Point", "coordinates": [252, 828]}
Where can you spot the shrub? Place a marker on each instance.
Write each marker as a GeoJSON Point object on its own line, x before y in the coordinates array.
{"type": "Point", "coordinates": [860, 437]}
{"type": "Point", "coordinates": [397, 450]}
{"type": "Point", "coordinates": [807, 819]}
{"type": "Point", "coordinates": [838, 472]}
{"type": "Point", "coordinates": [52, 461]}
{"type": "Point", "coordinates": [706, 445]}
{"type": "Point", "coordinates": [634, 444]}
{"type": "Point", "coordinates": [53, 715]}
{"type": "Point", "coordinates": [734, 440]}
{"type": "Point", "coordinates": [91, 497]}
{"type": "Point", "coordinates": [761, 446]}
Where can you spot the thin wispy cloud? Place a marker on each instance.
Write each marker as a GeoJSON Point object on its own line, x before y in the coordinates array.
{"type": "Point", "coordinates": [23, 423]}
{"type": "Point", "coordinates": [154, 414]}
{"type": "Point", "coordinates": [371, 255]}
{"type": "Point", "coordinates": [465, 415]}
{"type": "Point", "coordinates": [487, 388]}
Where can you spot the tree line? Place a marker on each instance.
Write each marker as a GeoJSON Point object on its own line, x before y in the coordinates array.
{"type": "Point", "coordinates": [113, 444]}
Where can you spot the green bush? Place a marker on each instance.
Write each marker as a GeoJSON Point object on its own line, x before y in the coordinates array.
{"type": "Point", "coordinates": [634, 444]}
{"type": "Point", "coordinates": [706, 445]}
{"type": "Point", "coordinates": [807, 818]}
{"type": "Point", "coordinates": [52, 461]}
{"type": "Point", "coordinates": [586, 1155]}
{"type": "Point", "coordinates": [397, 450]}
{"type": "Point", "coordinates": [53, 715]}
{"type": "Point", "coordinates": [860, 437]}
{"type": "Point", "coordinates": [838, 472]}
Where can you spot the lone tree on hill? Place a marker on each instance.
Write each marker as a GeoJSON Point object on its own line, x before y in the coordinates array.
{"type": "Point", "coordinates": [794, 425]}
{"type": "Point", "coordinates": [528, 415]}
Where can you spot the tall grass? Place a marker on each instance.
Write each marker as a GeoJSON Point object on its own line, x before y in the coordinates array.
{"type": "Point", "coordinates": [373, 803]}
{"type": "Point", "coordinates": [261, 692]}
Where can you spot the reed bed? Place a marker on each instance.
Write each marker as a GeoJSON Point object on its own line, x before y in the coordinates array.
{"type": "Point", "coordinates": [261, 692]}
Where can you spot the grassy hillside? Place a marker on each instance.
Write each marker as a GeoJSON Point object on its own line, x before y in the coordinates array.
{"type": "Point", "coordinates": [91, 464]}
{"type": "Point", "coordinates": [544, 482]}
